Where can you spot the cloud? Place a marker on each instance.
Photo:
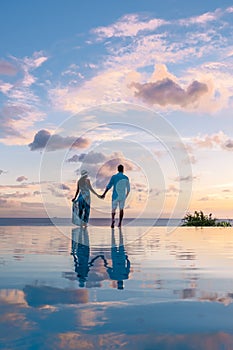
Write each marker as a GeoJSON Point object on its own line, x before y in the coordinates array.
{"type": "Point", "coordinates": [109, 168]}
{"type": "Point", "coordinates": [74, 159]}
{"type": "Point", "coordinates": [16, 195]}
{"type": "Point", "coordinates": [228, 145]}
{"type": "Point", "coordinates": [21, 178]}
{"type": "Point", "coordinates": [40, 140]}
{"type": "Point", "coordinates": [100, 170]}
{"type": "Point", "coordinates": [90, 158]}
{"type": "Point", "coordinates": [64, 187]}
{"type": "Point", "coordinates": [56, 142]}
{"type": "Point", "coordinates": [172, 189]}
{"type": "Point", "coordinates": [36, 193]}
{"type": "Point", "coordinates": [128, 26]}
{"type": "Point", "coordinates": [7, 68]}
{"type": "Point", "coordinates": [78, 97]}
{"type": "Point", "coordinates": [2, 172]}
{"type": "Point", "coordinates": [203, 199]}
{"type": "Point", "coordinates": [38, 296]}
{"type": "Point", "coordinates": [201, 19]}
{"type": "Point", "coordinates": [219, 139]}
{"type": "Point", "coordinates": [188, 178]}
{"type": "Point", "coordinates": [3, 203]}
{"type": "Point", "coordinates": [20, 109]}
{"type": "Point", "coordinates": [57, 189]}
{"type": "Point", "coordinates": [167, 92]}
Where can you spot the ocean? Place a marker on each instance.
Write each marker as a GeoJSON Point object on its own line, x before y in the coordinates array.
{"type": "Point", "coordinates": [138, 287]}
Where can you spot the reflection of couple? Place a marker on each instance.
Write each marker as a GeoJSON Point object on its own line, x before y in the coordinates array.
{"type": "Point", "coordinates": [82, 198]}
{"type": "Point", "coordinates": [120, 268]}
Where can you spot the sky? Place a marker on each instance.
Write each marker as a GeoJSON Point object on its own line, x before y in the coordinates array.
{"type": "Point", "coordinates": [91, 84]}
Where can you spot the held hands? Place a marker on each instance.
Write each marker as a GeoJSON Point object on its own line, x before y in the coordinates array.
{"type": "Point", "coordinates": [101, 196]}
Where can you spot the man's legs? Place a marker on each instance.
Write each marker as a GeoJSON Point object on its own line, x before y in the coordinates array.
{"type": "Point", "coordinates": [121, 217]}
{"type": "Point", "coordinates": [114, 206]}
{"type": "Point", "coordinates": [113, 217]}
{"type": "Point", "coordinates": [121, 213]}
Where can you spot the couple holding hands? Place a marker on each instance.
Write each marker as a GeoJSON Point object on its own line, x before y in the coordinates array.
{"type": "Point", "coordinates": [82, 199]}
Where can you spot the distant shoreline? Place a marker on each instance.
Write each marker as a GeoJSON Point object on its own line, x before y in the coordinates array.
{"type": "Point", "coordinates": [93, 221]}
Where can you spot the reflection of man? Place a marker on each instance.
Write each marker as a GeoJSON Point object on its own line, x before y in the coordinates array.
{"type": "Point", "coordinates": [121, 189]}
{"type": "Point", "coordinates": [120, 263]}
{"type": "Point", "coordinates": [81, 253]}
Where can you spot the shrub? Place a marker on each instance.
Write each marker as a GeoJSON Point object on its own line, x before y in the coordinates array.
{"type": "Point", "coordinates": [200, 219]}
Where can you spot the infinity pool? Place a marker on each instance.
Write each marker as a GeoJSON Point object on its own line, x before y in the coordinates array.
{"type": "Point", "coordinates": [135, 288]}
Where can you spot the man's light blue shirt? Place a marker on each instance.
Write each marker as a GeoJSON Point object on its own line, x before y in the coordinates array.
{"type": "Point", "coordinates": [120, 184]}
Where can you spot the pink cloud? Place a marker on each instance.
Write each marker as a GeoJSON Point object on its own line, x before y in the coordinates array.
{"type": "Point", "coordinates": [202, 19]}
{"type": "Point", "coordinates": [129, 25]}
{"type": "Point", "coordinates": [7, 68]}
{"type": "Point", "coordinates": [167, 92]}
{"type": "Point", "coordinates": [210, 141]}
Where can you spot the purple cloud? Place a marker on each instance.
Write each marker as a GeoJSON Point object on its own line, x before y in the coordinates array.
{"type": "Point", "coordinates": [89, 158]}
{"type": "Point", "coordinates": [21, 178]}
{"type": "Point", "coordinates": [3, 202]}
{"type": "Point", "coordinates": [10, 114]}
{"type": "Point", "coordinates": [166, 92]}
{"type": "Point", "coordinates": [36, 193]}
{"type": "Point", "coordinates": [7, 68]}
{"type": "Point", "coordinates": [74, 159]}
{"type": "Point", "coordinates": [187, 178]}
{"type": "Point", "coordinates": [228, 144]}
{"type": "Point", "coordinates": [40, 140]}
{"type": "Point", "coordinates": [64, 187]}
{"type": "Point", "coordinates": [56, 142]}
{"type": "Point", "coordinates": [57, 189]}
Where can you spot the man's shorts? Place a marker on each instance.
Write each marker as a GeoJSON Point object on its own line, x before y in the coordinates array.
{"type": "Point", "coordinates": [116, 202]}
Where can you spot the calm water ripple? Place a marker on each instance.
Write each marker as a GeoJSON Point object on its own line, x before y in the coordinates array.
{"type": "Point", "coordinates": [109, 289]}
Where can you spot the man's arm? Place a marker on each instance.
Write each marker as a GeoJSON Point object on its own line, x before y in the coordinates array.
{"type": "Point", "coordinates": [103, 195]}
{"type": "Point", "coordinates": [127, 188]}
{"type": "Point", "coordinates": [109, 185]}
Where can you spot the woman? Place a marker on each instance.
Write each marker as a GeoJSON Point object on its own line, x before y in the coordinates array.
{"type": "Point", "coordinates": [81, 205]}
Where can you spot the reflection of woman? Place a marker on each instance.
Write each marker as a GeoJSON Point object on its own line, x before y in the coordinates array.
{"type": "Point", "coordinates": [81, 205]}
{"type": "Point", "coordinates": [81, 253]}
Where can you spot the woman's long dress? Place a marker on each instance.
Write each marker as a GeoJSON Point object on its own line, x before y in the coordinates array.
{"type": "Point", "coordinates": [81, 206]}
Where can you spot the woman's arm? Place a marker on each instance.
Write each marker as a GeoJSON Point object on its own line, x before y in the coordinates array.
{"type": "Point", "coordinates": [91, 188]}
{"type": "Point", "coordinates": [76, 193]}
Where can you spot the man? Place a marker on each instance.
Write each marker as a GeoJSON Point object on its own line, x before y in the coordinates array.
{"type": "Point", "coordinates": [121, 189]}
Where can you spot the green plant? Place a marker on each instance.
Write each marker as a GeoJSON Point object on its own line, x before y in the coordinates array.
{"type": "Point", "coordinates": [200, 219]}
